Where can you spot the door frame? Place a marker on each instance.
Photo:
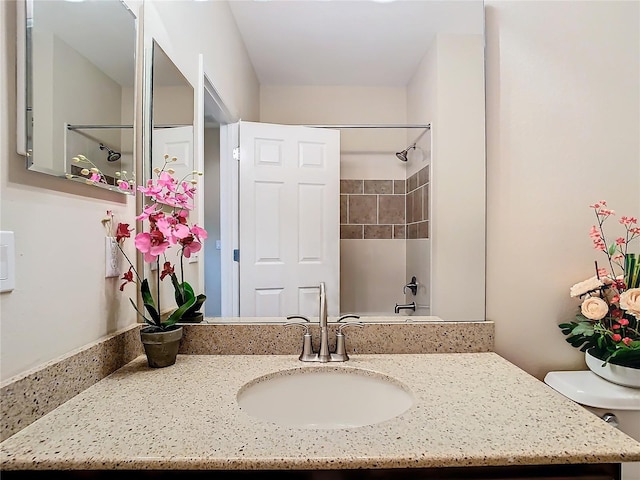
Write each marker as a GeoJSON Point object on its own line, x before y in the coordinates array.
{"type": "Point", "coordinates": [210, 103]}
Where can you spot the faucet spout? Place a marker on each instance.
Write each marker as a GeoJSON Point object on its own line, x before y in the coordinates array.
{"type": "Point", "coordinates": [406, 306]}
{"type": "Point", "coordinates": [323, 355]}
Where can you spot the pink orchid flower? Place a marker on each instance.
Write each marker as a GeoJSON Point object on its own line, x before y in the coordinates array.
{"type": "Point", "coordinates": [147, 212]}
{"type": "Point", "coordinates": [151, 190]}
{"type": "Point", "coordinates": [172, 230]}
{"type": "Point", "coordinates": [189, 246]}
{"type": "Point", "coordinates": [151, 245]}
{"type": "Point", "coordinates": [199, 232]}
{"type": "Point", "coordinates": [165, 180]}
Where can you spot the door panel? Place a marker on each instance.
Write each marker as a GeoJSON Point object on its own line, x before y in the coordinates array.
{"type": "Point", "coordinates": [289, 219]}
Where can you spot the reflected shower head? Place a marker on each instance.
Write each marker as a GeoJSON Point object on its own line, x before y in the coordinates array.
{"type": "Point", "coordinates": [403, 154]}
{"type": "Point", "coordinates": [112, 155]}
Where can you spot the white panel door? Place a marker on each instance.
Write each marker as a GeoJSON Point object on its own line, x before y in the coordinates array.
{"type": "Point", "coordinates": [289, 219]}
{"type": "Point", "coordinates": [175, 142]}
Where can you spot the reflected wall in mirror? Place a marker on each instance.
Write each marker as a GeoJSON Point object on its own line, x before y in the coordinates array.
{"type": "Point", "coordinates": [172, 103]}
{"type": "Point", "coordinates": [78, 100]}
{"type": "Point", "coordinates": [421, 218]}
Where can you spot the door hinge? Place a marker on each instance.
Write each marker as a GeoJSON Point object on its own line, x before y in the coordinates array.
{"type": "Point", "coordinates": [236, 153]}
{"type": "Point", "coordinates": [236, 255]}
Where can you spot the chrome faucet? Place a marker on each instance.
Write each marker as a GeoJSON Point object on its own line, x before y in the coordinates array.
{"type": "Point", "coordinates": [323, 355]}
{"type": "Point", "coordinates": [406, 306]}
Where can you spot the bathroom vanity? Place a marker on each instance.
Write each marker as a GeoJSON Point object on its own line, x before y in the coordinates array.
{"type": "Point", "coordinates": [473, 415]}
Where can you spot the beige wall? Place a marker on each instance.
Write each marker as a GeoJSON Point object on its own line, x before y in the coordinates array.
{"type": "Point", "coordinates": [447, 91]}
{"type": "Point", "coordinates": [62, 300]}
{"type": "Point", "coordinates": [563, 131]}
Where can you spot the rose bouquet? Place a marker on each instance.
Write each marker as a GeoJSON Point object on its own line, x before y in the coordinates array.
{"type": "Point", "coordinates": [608, 323]}
{"type": "Point", "coordinates": [167, 206]}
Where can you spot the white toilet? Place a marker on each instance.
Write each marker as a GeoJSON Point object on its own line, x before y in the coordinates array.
{"type": "Point", "coordinates": [615, 404]}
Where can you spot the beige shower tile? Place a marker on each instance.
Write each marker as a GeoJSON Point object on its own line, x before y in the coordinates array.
{"type": "Point", "coordinates": [416, 207]}
{"type": "Point", "coordinates": [399, 231]}
{"type": "Point", "coordinates": [378, 186]}
{"type": "Point", "coordinates": [351, 186]}
{"type": "Point", "coordinates": [348, 232]}
{"type": "Point", "coordinates": [377, 231]}
{"type": "Point", "coordinates": [399, 186]}
{"type": "Point", "coordinates": [412, 182]}
{"type": "Point", "coordinates": [363, 209]}
{"type": "Point", "coordinates": [425, 202]}
{"type": "Point", "coordinates": [412, 231]}
{"type": "Point", "coordinates": [344, 203]}
{"type": "Point", "coordinates": [391, 209]}
{"type": "Point", "coordinates": [423, 176]}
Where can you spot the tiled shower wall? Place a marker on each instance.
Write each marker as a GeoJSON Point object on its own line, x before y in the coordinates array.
{"type": "Point", "coordinates": [385, 209]}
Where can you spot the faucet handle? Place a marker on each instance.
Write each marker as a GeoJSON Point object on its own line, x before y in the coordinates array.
{"type": "Point", "coordinates": [348, 324]}
{"type": "Point", "coordinates": [304, 327]}
{"type": "Point", "coordinates": [340, 354]}
{"type": "Point", "coordinates": [413, 286]}
{"type": "Point", "coordinates": [349, 315]}
{"type": "Point", "coordinates": [307, 347]}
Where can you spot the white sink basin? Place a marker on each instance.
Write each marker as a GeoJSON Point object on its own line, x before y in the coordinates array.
{"type": "Point", "coordinates": [324, 397]}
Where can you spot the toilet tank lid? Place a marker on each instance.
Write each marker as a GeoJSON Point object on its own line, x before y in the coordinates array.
{"type": "Point", "coordinates": [587, 388]}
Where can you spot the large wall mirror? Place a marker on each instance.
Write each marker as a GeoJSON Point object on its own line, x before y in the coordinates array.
{"type": "Point", "coordinates": [168, 128]}
{"type": "Point", "coordinates": [433, 204]}
{"type": "Point", "coordinates": [77, 76]}
{"type": "Point", "coordinates": [172, 106]}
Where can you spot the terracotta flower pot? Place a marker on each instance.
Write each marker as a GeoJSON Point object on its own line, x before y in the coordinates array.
{"type": "Point", "coordinates": [161, 348]}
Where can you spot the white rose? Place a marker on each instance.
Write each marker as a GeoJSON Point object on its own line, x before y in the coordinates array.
{"type": "Point", "coordinates": [630, 301]}
{"type": "Point", "coordinates": [594, 308]}
{"type": "Point", "coordinates": [585, 286]}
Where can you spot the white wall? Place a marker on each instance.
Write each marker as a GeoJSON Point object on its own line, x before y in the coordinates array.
{"type": "Point", "coordinates": [563, 131]}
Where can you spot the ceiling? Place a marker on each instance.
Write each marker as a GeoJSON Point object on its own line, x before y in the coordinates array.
{"type": "Point", "coordinates": [346, 42]}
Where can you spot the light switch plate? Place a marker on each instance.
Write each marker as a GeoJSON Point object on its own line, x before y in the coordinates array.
{"type": "Point", "coordinates": [112, 259]}
{"type": "Point", "coordinates": [7, 261]}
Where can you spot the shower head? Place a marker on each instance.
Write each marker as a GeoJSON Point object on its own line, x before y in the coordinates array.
{"type": "Point", "coordinates": [112, 155]}
{"type": "Point", "coordinates": [403, 154]}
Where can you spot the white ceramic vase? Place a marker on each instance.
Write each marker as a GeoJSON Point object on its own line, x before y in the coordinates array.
{"type": "Point", "coordinates": [626, 376]}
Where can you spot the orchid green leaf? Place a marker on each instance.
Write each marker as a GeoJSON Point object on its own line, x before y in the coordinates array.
{"type": "Point", "coordinates": [178, 313]}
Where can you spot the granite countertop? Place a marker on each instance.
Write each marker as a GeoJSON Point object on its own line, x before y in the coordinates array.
{"type": "Point", "coordinates": [471, 409]}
